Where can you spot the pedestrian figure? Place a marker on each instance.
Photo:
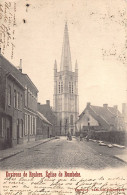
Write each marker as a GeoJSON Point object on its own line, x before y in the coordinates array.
{"type": "Point", "coordinates": [81, 136]}
{"type": "Point", "coordinates": [69, 137]}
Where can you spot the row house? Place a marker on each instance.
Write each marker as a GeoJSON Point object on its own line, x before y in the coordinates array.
{"type": "Point", "coordinates": [30, 109]}
{"type": "Point", "coordinates": [18, 105]}
{"type": "Point", "coordinates": [100, 118]}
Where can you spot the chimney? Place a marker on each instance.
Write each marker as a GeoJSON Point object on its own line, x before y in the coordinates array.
{"type": "Point", "coordinates": [88, 104]}
{"type": "Point", "coordinates": [105, 105]}
{"type": "Point", "coordinates": [20, 65]}
{"type": "Point", "coordinates": [116, 107]}
{"type": "Point", "coordinates": [38, 106]}
{"type": "Point", "coordinates": [48, 102]}
{"type": "Point", "coordinates": [124, 109]}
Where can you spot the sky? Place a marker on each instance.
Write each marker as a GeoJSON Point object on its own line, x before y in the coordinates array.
{"type": "Point", "coordinates": [97, 33]}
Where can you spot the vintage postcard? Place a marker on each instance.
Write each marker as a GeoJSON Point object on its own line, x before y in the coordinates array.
{"type": "Point", "coordinates": [63, 97]}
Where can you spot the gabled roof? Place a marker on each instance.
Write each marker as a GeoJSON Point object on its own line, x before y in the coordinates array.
{"type": "Point", "coordinates": [42, 117]}
{"type": "Point", "coordinates": [104, 115]}
{"type": "Point", "coordinates": [30, 81]}
{"type": "Point", "coordinates": [12, 70]}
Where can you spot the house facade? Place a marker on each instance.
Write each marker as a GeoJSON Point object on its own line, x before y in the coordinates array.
{"type": "Point", "coordinates": [65, 99]}
{"type": "Point", "coordinates": [44, 127]}
{"type": "Point", "coordinates": [100, 118]}
{"type": "Point", "coordinates": [11, 105]}
{"type": "Point", "coordinates": [30, 109]}
{"type": "Point", "coordinates": [18, 105]}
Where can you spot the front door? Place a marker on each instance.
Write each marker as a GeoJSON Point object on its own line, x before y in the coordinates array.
{"type": "Point", "coordinates": [17, 131]}
{"type": "Point", "coordinates": [8, 133]}
{"type": "Point", "coordinates": [48, 133]}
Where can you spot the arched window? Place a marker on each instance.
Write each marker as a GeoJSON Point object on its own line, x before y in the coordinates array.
{"type": "Point", "coordinates": [59, 87]}
{"type": "Point", "coordinates": [71, 119]}
{"type": "Point", "coordinates": [69, 87]}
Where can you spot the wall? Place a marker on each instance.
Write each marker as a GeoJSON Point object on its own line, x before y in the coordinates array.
{"type": "Point", "coordinates": [44, 130]}
{"type": "Point", "coordinates": [83, 121]}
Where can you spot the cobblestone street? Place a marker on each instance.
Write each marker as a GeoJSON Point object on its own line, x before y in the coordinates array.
{"type": "Point", "coordinates": [61, 153]}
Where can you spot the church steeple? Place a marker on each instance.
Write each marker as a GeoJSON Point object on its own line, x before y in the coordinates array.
{"type": "Point", "coordinates": [55, 65]}
{"type": "Point", "coordinates": [66, 54]}
{"type": "Point", "coordinates": [65, 98]}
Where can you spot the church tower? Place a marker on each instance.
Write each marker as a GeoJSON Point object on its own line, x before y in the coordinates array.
{"type": "Point", "coordinates": [65, 101]}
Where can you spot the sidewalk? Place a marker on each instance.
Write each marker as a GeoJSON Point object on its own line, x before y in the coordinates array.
{"type": "Point", "coordinates": [20, 148]}
{"type": "Point", "coordinates": [122, 156]}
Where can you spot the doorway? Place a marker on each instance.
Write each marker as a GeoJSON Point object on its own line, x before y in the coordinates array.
{"type": "Point", "coordinates": [48, 133]}
{"type": "Point", "coordinates": [17, 131]}
{"type": "Point", "coordinates": [8, 131]}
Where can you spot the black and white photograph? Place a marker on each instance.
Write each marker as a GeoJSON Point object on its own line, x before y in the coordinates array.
{"type": "Point", "coordinates": [63, 88]}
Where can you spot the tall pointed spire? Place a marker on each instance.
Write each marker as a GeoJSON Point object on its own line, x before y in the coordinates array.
{"type": "Point", "coordinates": [66, 54]}
{"type": "Point", "coordinates": [55, 65]}
{"type": "Point", "coordinates": [76, 65]}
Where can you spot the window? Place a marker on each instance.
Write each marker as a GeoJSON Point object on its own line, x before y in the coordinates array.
{"type": "Point", "coordinates": [21, 128]}
{"type": "Point", "coordinates": [32, 125]}
{"type": "Point", "coordinates": [3, 126]}
{"type": "Point", "coordinates": [59, 87]}
{"type": "Point", "coordinates": [69, 87]}
{"type": "Point", "coordinates": [25, 96]}
{"type": "Point", "coordinates": [15, 99]}
{"type": "Point", "coordinates": [18, 100]}
{"type": "Point", "coordinates": [21, 102]}
{"type": "Point", "coordinates": [29, 124]}
{"type": "Point", "coordinates": [9, 95]}
{"type": "Point", "coordinates": [26, 125]}
{"type": "Point", "coordinates": [72, 88]}
{"type": "Point", "coordinates": [71, 119]}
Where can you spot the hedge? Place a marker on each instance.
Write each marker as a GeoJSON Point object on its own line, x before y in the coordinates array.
{"type": "Point", "coordinates": [117, 137]}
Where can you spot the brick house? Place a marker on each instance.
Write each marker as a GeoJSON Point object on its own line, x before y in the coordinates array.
{"type": "Point", "coordinates": [11, 104]}
{"type": "Point", "coordinates": [47, 111]}
{"type": "Point", "coordinates": [44, 127]}
{"type": "Point", "coordinates": [100, 118]}
{"type": "Point", "coordinates": [18, 105]}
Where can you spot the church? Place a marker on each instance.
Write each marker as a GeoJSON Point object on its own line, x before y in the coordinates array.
{"type": "Point", "coordinates": [65, 99]}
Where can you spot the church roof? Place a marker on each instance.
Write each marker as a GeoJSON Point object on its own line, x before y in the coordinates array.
{"type": "Point", "coordinates": [66, 54]}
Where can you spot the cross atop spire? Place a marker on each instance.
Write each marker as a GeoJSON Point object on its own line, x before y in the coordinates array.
{"type": "Point", "coordinates": [66, 54]}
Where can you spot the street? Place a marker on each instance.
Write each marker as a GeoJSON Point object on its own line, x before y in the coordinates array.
{"type": "Point", "coordinates": [61, 153]}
